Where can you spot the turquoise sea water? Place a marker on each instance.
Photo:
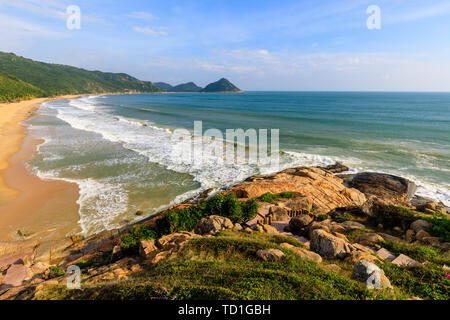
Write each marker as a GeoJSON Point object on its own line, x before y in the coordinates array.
{"type": "Point", "coordinates": [119, 148]}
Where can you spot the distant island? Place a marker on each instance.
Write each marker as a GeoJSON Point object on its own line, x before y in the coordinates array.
{"type": "Point", "coordinates": [23, 79]}
{"type": "Point", "coordinates": [223, 85]}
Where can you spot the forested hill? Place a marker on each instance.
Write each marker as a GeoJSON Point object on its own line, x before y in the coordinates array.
{"type": "Point", "coordinates": [22, 78]}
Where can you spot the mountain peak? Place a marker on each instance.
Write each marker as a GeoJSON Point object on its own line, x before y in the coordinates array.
{"type": "Point", "coordinates": [223, 85]}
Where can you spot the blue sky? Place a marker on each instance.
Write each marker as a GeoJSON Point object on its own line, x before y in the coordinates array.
{"type": "Point", "coordinates": [258, 45]}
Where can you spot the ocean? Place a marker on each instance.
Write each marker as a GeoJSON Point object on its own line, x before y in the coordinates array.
{"type": "Point", "coordinates": [119, 148]}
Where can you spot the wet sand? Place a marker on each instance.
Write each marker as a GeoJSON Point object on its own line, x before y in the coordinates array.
{"type": "Point", "coordinates": [44, 210]}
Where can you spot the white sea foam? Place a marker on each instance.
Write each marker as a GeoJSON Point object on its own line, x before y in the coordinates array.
{"type": "Point", "coordinates": [101, 203]}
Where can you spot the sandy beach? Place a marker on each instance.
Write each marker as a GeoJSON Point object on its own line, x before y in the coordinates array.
{"type": "Point", "coordinates": [43, 209]}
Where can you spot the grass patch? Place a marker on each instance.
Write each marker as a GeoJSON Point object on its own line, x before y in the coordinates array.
{"type": "Point", "coordinates": [83, 264]}
{"type": "Point", "coordinates": [270, 197]}
{"type": "Point", "coordinates": [226, 267]}
{"type": "Point", "coordinates": [56, 271]}
{"type": "Point", "coordinates": [426, 282]}
{"type": "Point", "coordinates": [418, 252]}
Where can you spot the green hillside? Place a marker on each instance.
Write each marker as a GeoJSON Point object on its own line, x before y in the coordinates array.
{"type": "Point", "coordinates": [12, 89]}
{"type": "Point", "coordinates": [223, 85]}
{"type": "Point", "coordinates": [187, 87]}
{"type": "Point", "coordinates": [55, 79]}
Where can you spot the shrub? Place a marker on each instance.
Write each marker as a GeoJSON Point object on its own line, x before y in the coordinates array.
{"type": "Point", "coordinates": [269, 197]}
{"type": "Point", "coordinates": [344, 217]}
{"type": "Point", "coordinates": [83, 264]}
{"type": "Point", "coordinates": [130, 241]}
{"type": "Point", "coordinates": [221, 205]}
{"type": "Point", "coordinates": [440, 228]}
{"type": "Point", "coordinates": [56, 271]}
{"type": "Point", "coordinates": [392, 216]}
{"type": "Point", "coordinates": [286, 195]}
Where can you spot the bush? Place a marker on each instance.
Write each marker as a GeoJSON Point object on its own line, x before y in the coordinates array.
{"type": "Point", "coordinates": [344, 217]}
{"type": "Point", "coordinates": [270, 197]}
{"type": "Point", "coordinates": [221, 205]}
{"type": "Point", "coordinates": [130, 241]}
{"type": "Point", "coordinates": [440, 228]}
{"type": "Point", "coordinates": [56, 271]}
{"type": "Point", "coordinates": [392, 216]}
{"type": "Point", "coordinates": [286, 195]}
{"type": "Point", "coordinates": [83, 264]}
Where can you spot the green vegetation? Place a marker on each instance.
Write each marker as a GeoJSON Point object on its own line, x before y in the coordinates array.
{"type": "Point", "coordinates": [222, 205]}
{"type": "Point", "coordinates": [22, 78]}
{"type": "Point", "coordinates": [130, 241]}
{"type": "Point", "coordinates": [12, 89]}
{"type": "Point", "coordinates": [440, 228]}
{"type": "Point", "coordinates": [226, 267]}
{"type": "Point", "coordinates": [56, 271]}
{"type": "Point", "coordinates": [83, 264]}
{"type": "Point", "coordinates": [424, 281]}
{"type": "Point", "coordinates": [223, 85]}
{"type": "Point", "coordinates": [344, 217]}
{"type": "Point", "coordinates": [418, 252]}
{"type": "Point", "coordinates": [270, 197]}
{"type": "Point", "coordinates": [392, 216]}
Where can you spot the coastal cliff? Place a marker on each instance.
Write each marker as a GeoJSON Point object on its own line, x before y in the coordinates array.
{"type": "Point", "coordinates": [303, 233]}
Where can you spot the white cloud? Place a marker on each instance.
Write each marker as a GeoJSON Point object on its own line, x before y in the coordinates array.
{"type": "Point", "coordinates": [149, 31]}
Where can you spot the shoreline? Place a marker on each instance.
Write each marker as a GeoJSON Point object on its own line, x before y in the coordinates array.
{"type": "Point", "coordinates": [26, 201]}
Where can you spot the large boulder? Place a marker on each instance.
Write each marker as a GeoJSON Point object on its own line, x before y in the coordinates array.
{"type": "Point", "coordinates": [303, 253]}
{"type": "Point", "coordinates": [299, 223]}
{"type": "Point", "coordinates": [355, 256]}
{"type": "Point", "coordinates": [213, 224]}
{"type": "Point", "coordinates": [270, 254]}
{"type": "Point", "coordinates": [279, 213]}
{"type": "Point", "coordinates": [265, 228]}
{"type": "Point", "coordinates": [148, 249]}
{"type": "Point", "coordinates": [369, 239]}
{"type": "Point", "coordinates": [328, 245]}
{"type": "Point", "coordinates": [323, 190]}
{"type": "Point", "coordinates": [336, 168]}
{"type": "Point", "coordinates": [364, 270]}
{"type": "Point", "coordinates": [391, 189]}
{"type": "Point", "coordinates": [299, 204]}
{"type": "Point", "coordinates": [405, 261]}
{"type": "Point", "coordinates": [174, 240]}
{"type": "Point", "coordinates": [420, 224]}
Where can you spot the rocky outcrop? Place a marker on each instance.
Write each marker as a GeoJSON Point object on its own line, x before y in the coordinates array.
{"type": "Point", "coordinates": [270, 254]}
{"type": "Point", "coordinates": [299, 223]}
{"type": "Point", "coordinates": [213, 224]}
{"type": "Point", "coordinates": [265, 228]}
{"type": "Point", "coordinates": [174, 240]}
{"type": "Point", "coordinates": [388, 188]}
{"type": "Point", "coordinates": [420, 225]}
{"type": "Point", "coordinates": [364, 270]}
{"type": "Point", "coordinates": [328, 245]}
{"type": "Point", "coordinates": [324, 190]}
{"type": "Point", "coordinates": [148, 249]}
{"type": "Point", "coordinates": [405, 261]}
{"type": "Point", "coordinates": [369, 239]}
{"type": "Point", "coordinates": [336, 168]}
